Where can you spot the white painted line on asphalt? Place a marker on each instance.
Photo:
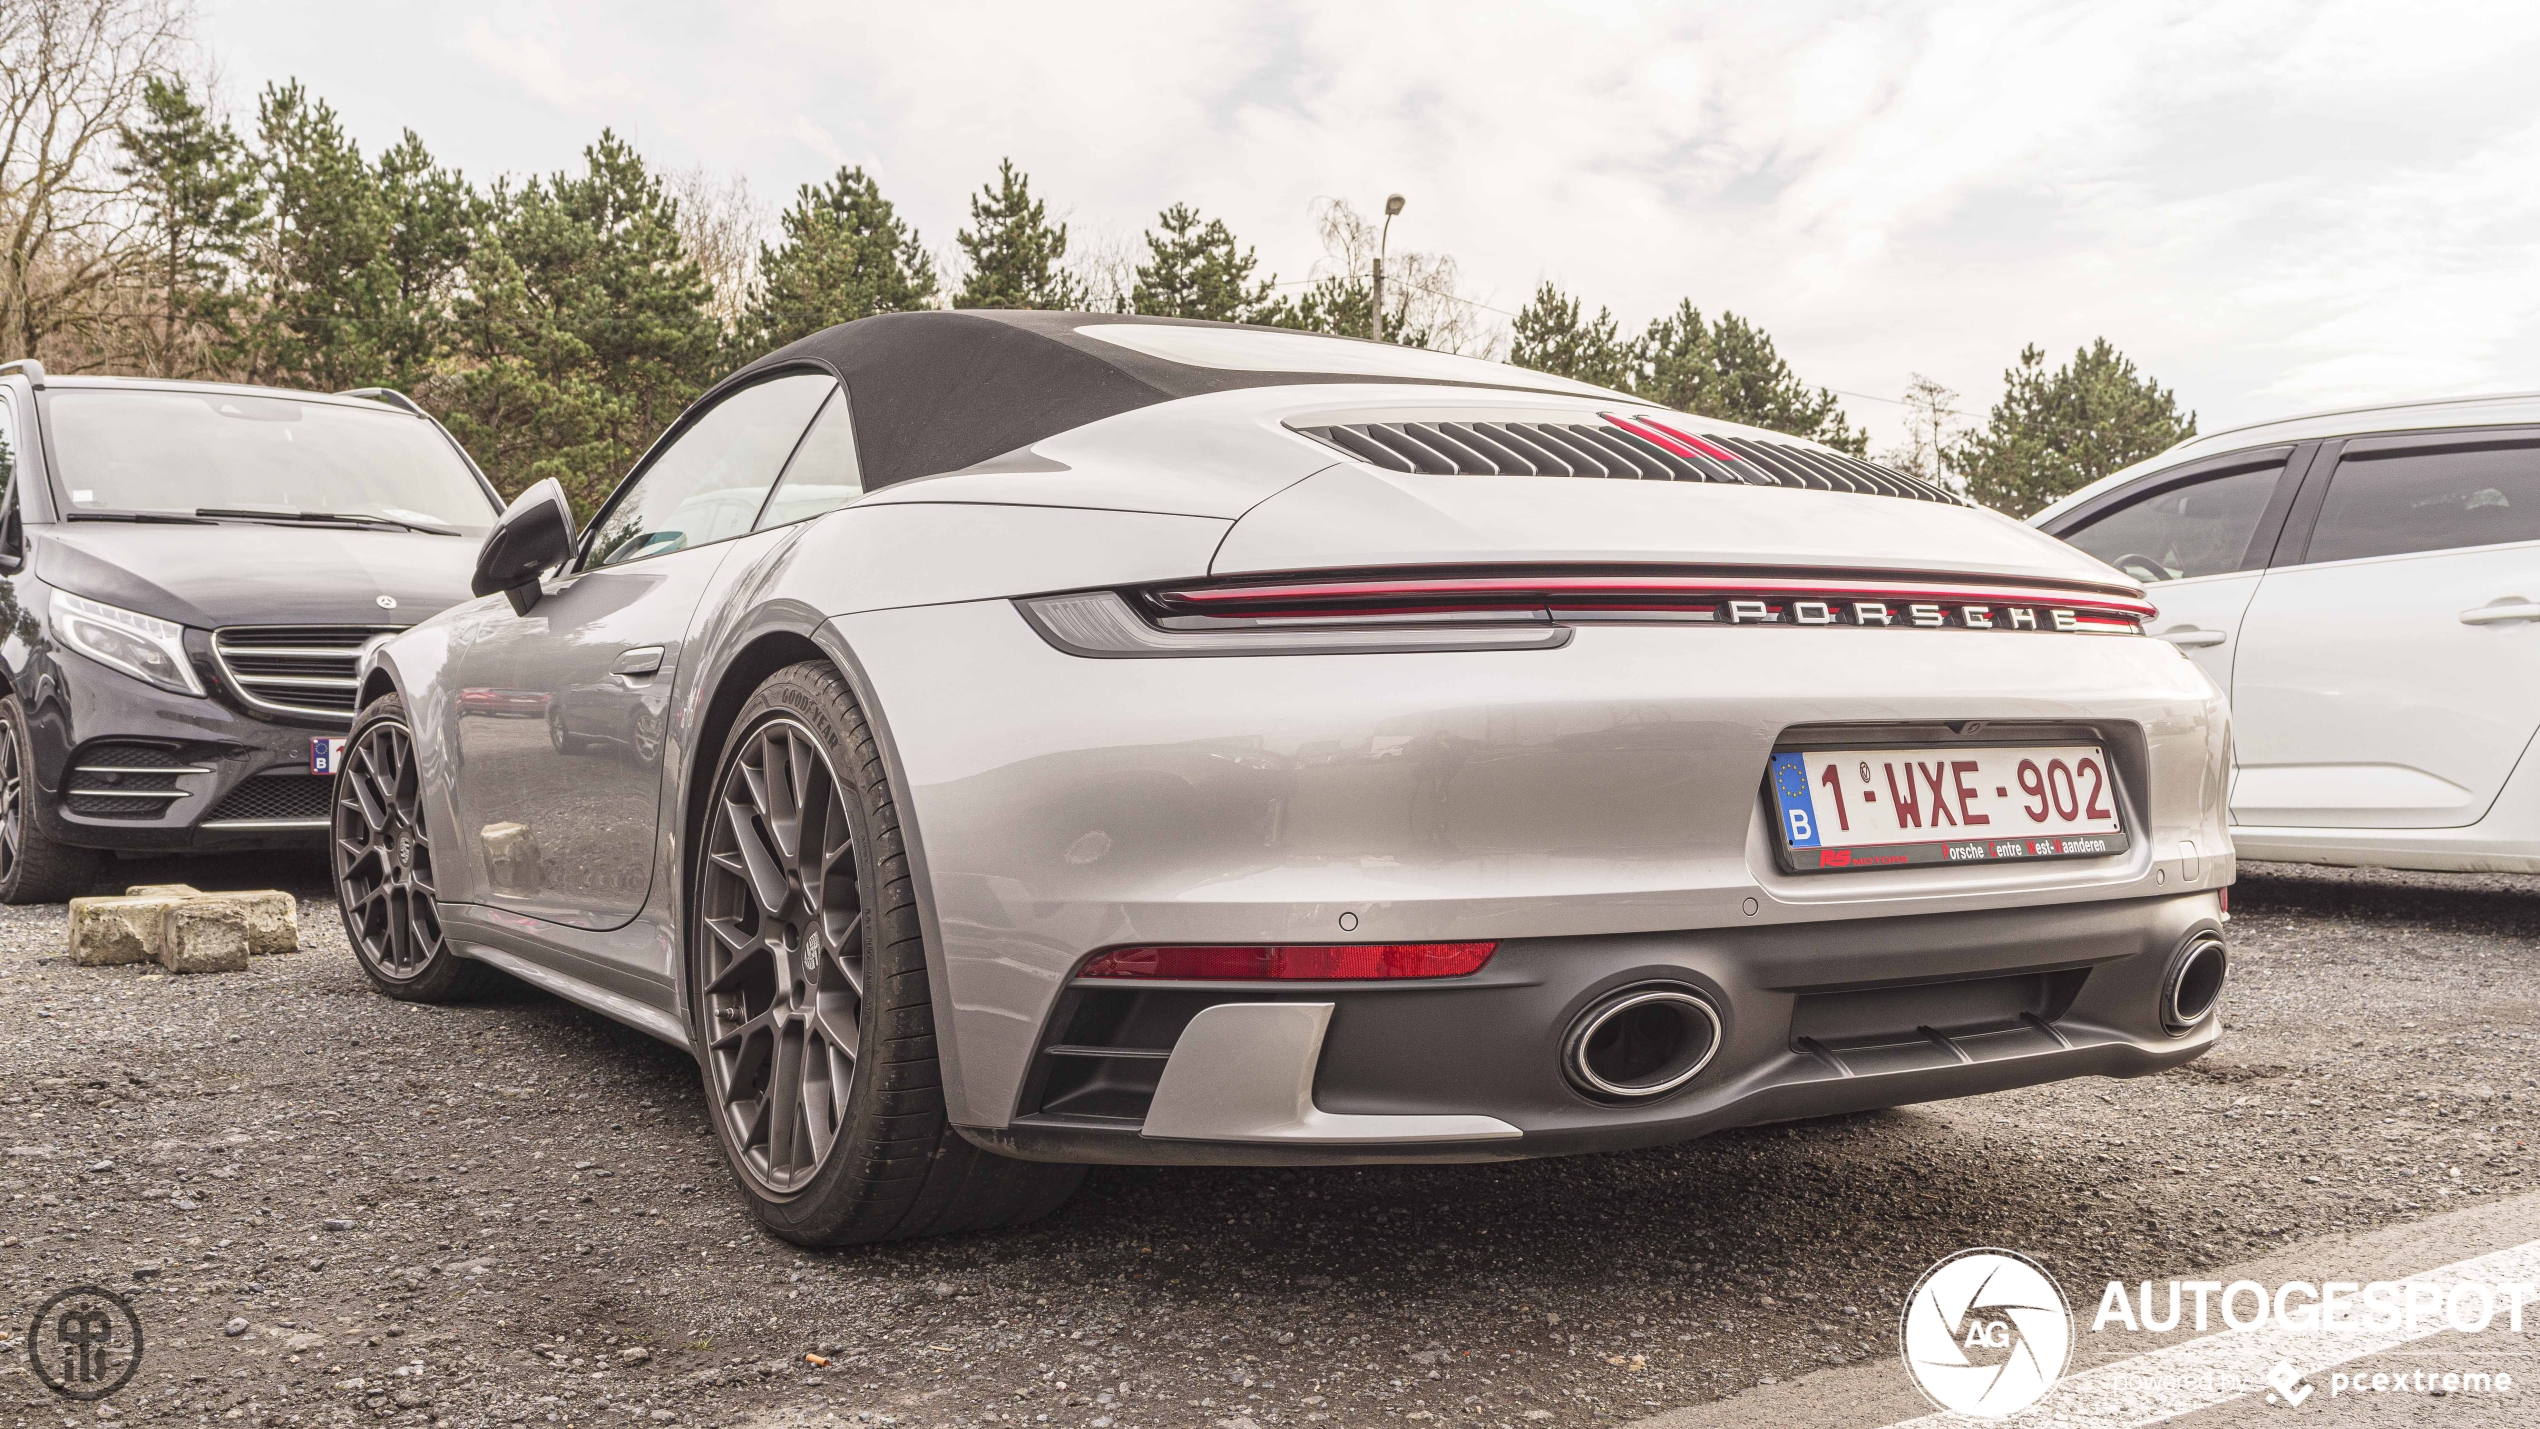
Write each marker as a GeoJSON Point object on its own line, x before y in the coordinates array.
{"type": "Point", "coordinates": [2214, 1369]}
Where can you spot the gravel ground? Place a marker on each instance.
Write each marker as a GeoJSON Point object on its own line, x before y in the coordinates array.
{"type": "Point", "coordinates": [513, 1212]}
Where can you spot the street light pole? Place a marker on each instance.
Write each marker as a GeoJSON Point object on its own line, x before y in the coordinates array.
{"type": "Point", "coordinates": [1393, 205]}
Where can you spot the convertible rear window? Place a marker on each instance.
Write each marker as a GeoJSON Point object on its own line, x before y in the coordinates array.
{"type": "Point", "coordinates": [140, 449]}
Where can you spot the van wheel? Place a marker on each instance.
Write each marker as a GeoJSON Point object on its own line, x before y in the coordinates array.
{"type": "Point", "coordinates": [34, 867]}
{"type": "Point", "coordinates": [813, 1016]}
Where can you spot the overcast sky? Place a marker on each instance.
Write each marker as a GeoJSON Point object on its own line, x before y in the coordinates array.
{"type": "Point", "coordinates": [2272, 207]}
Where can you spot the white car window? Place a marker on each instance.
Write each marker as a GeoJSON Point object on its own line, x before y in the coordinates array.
{"type": "Point", "coordinates": [2200, 529]}
{"type": "Point", "coordinates": [709, 484]}
{"type": "Point", "coordinates": [2387, 503]}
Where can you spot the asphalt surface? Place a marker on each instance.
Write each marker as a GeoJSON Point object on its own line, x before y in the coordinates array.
{"type": "Point", "coordinates": [513, 1211]}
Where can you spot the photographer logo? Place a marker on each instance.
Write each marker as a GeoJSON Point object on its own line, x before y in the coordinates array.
{"type": "Point", "coordinates": [1986, 1333]}
{"type": "Point", "coordinates": [85, 1343]}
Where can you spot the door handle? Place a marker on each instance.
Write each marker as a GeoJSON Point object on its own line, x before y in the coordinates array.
{"type": "Point", "coordinates": [2500, 612]}
{"type": "Point", "coordinates": [642, 660]}
{"type": "Point", "coordinates": [2191, 638]}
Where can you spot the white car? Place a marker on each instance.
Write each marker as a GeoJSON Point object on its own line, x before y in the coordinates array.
{"type": "Point", "coordinates": [2365, 585]}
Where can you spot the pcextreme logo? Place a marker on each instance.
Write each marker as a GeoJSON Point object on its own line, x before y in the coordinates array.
{"type": "Point", "coordinates": [1986, 1333]}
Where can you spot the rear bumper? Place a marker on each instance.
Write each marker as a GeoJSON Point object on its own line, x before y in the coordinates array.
{"type": "Point", "coordinates": [1816, 1021]}
{"type": "Point", "coordinates": [1600, 796]}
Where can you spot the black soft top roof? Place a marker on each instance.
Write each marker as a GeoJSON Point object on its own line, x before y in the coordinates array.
{"type": "Point", "coordinates": [938, 391]}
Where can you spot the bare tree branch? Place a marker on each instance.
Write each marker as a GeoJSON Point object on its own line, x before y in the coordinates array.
{"type": "Point", "coordinates": [721, 226]}
{"type": "Point", "coordinates": [71, 73]}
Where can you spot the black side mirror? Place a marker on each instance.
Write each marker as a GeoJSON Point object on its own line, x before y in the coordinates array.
{"type": "Point", "coordinates": [536, 532]}
{"type": "Point", "coordinates": [12, 542]}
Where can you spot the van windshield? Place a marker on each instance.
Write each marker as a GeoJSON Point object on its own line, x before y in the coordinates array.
{"type": "Point", "coordinates": [139, 450]}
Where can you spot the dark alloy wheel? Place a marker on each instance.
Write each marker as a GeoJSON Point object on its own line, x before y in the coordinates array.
{"type": "Point", "coordinates": [811, 1003]}
{"type": "Point", "coordinates": [784, 988]}
{"type": "Point", "coordinates": [383, 865]}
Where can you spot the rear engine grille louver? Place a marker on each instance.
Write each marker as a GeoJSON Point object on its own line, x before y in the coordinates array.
{"type": "Point", "coordinates": [1612, 449]}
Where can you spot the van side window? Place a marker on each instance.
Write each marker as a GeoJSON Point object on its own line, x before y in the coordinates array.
{"type": "Point", "coordinates": [2389, 502]}
{"type": "Point", "coordinates": [2199, 529]}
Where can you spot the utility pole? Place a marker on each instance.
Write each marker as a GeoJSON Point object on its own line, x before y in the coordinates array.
{"type": "Point", "coordinates": [1393, 205]}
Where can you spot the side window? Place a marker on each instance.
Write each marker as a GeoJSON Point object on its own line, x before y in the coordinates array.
{"type": "Point", "coordinates": [2388, 502]}
{"type": "Point", "coordinates": [8, 452]}
{"type": "Point", "coordinates": [2199, 529]}
{"type": "Point", "coordinates": [708, 485]}
{"type": "Point", "coordinates": [823, 475]}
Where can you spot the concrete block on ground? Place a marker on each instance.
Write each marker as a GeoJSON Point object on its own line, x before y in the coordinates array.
{"type": "Point", "coordinates": [162, 890]}
{"type": "Point", "coordinates": [273, 918]}
{"type": "Point", "coordinates": [205, 935]}
{"type": "Point", "coordinates": [110, 931]}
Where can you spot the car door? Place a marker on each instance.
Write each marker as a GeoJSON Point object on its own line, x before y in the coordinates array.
{"type": "Point", "coordinates": [2198, 538]}
{"type": "Point", "coordinates": [560, 712]}
{"type": "Point", "coordinates": [2389, 672]}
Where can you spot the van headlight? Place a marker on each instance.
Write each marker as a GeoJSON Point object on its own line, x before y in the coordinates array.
{"type": "Point", "coordinates": [142, 646]}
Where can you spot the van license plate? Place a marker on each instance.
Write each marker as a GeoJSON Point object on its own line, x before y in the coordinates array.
{"type": "Point", "coordinates": [1839, 810]}
{"type": "Point", "coordinates": [326, 756]}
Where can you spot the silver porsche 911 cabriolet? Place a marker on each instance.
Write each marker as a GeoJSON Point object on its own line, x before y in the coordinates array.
{"type": "Point", "coordinates": [994, 743]}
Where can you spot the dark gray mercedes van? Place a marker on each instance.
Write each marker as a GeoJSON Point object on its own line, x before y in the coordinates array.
{"type": "Point", "coordinates": [188, 575]}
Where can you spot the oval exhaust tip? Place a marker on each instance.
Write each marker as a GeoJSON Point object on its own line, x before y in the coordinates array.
{"type": "Point", "coordinates": [1641, 1042]}
{"type": "Point", "coordinates": [2194, 984]}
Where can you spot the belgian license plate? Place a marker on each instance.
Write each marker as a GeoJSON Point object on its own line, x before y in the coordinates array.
{"type": "Point", "coordinates": [1844, 809]}
{"type": "Point", "coordinates": [326, 756]}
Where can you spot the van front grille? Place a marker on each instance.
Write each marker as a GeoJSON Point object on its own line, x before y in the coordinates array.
{"type": "Point", "coordinates": [295, 669]}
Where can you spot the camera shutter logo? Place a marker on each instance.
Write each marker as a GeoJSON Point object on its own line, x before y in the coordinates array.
{"type": "Point", "coordinates": [85, 1343]}
{"type": "Point", "coordinates": [1986, 1333]}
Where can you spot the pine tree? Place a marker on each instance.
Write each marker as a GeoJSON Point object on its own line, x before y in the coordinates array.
{"type": "Point", "coordinates": [587, 327]}
{"type": "Point", "coordinates": [1554, 335]}
{"type": "Point", "coordinates": [1729, 369]}
{"type": "Point", "coordinates": [1016, 255]}
{"type": "Point", "coordinates": [846, 254]}
{"type": "Point", "coordinates": [322, 270]}
{"type": "Point", "coordinates": [1194, 270]}
{"type": "Point", "coordinates": [431, 215]}
{"type": "Point", "coordinates": [196, 190]}
{"type": "Point", "coordinates": [2056, 432]}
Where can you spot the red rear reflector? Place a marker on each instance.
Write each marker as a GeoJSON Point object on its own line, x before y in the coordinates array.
{"type": "Point", "coordinates": [2225, 895]}
{"type": "Point", "coordinates": [1310, 961]}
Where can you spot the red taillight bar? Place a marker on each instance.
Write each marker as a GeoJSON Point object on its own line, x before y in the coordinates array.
{"type": "Point", "coordinates": [1312, 962]}
{"type": "Point", "coordinates": [1452, 588]}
